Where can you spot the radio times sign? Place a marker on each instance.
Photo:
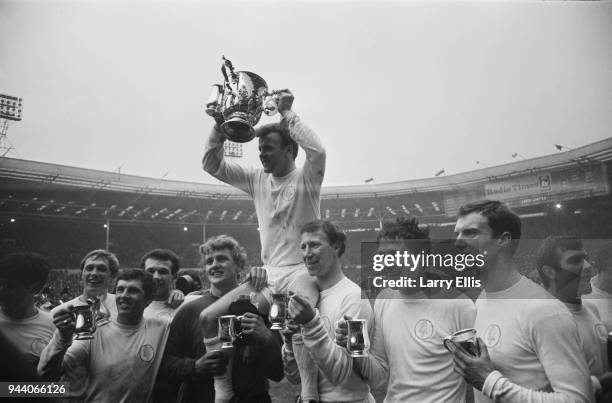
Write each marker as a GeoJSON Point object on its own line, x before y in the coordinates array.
{"type": "Point", "coordinates": [521, 186]}
{"type": "Point", "coordinates": [534, 188]}
{"type": "Point", "coordinates": [576, 182]}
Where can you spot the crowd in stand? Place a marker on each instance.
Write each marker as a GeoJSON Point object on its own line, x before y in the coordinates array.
{"type": "Point", "coordinates": [155, 344]}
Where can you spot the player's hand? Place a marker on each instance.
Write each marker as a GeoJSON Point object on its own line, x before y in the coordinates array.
{"type": "Point", "coordinates": [254, 327]}
{"type": "Point", "coordinates": [473, 369]}
{"type": "Point", "coordinates": [64, 321]}
{"type": "Point", "coordinates": [211, 363]}
{"type": "Point", "coordinates": [300, 309]}
{"type": "Point", "coordinates": [219, 120]}
{"type": "Point", "coordinates": [175, 299]}
{"type": "Point", "coordinates": [284, 101]}
{"type": "Point", "coordinates": [605, 381]}
{"type": "Point", "coordinates": [258, 277]}
{"type": "Point", "coordinates": [287, 333]}
{"type": "Point", "coordinates": [342, 331]}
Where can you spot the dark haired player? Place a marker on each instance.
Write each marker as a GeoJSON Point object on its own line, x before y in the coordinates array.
{"type": "Point", "coordinates": [566, 273]}
{"type": "Point", "coordinates": [163, 265]}
{"type": "Point", "coordinates": [407, 357]}
{"type": "Point", "coordinates": [601, 295]}
{"type": "Point", "coordinates": [22, 275]}
{"type": "Point", "coordinates": [529, 341]}
{"type": "Point", "coordinates": [120, 363]}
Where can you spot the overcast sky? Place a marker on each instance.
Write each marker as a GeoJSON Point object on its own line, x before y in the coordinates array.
{"type": "Point", "coordinates": [395, 90]}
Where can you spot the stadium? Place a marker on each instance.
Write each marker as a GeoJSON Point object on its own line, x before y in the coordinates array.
{"type": "Point", "coordinates": [63, 212]}
{"type": "Point", "coordinates": [115, 163]}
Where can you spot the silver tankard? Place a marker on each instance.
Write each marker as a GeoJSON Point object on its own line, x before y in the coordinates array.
{"type": "Point", "coordinates": [227, 330]}
{"type": "Point", "coordinates": [466, 339]}
{"type": "Point", "coordinates": [239, 102]}
{"type": "Point", "coordinates": [278, 312]}
{"type": "Point", "coordinates": [357, 342]}
{"type": "Point", "coordinates": [85, 320]}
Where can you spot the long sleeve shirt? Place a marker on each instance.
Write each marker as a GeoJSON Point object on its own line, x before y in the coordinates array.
{"type": "Point", "coordinates": [30, 336]}
{"type": "Point", "coordinates": [602, 301]}
{"type": "Point", "coordinates": [184, 347]}
{"type": "Point", "coordinates": [408, 357]}
{"type": "Point", "coordinates": [282, 204]}
{"type": "Point", "coordinates": [337, 381]}
{"type": "Point", "coordinates": [118, 365]}
{"type": "Point", "coordinates": [534, 346]}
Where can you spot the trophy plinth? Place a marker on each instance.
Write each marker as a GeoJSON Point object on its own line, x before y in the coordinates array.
{"type": "Point", "coordinates": [238, 129]}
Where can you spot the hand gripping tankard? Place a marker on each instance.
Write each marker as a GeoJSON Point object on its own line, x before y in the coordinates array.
{"type": "Point", "coordinates": [239, 102]}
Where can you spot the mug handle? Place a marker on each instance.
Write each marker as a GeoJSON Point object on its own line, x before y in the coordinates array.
{"type": "Point", "coordinates": [445, 342]}
{"type": "Point", "coordinates": [238, 318]}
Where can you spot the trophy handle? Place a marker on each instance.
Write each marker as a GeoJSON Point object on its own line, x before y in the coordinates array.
{"type": "Point", "coordinates": [271, 103]}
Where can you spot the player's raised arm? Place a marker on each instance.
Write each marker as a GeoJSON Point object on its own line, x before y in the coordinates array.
{"type": "Point", "coordinates": [307, 139]}
{"type": "Point", "coordinates": [215, 164]}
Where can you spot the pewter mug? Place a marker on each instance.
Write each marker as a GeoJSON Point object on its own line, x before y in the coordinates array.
{"type": "Point", "coordinates": [278, 312]}
{"type": "Point", "coordinates": [357, 341]}
{"type": "Point", "coordinates": [466, 339]}
{"type": "Point", "coordinates": [227, 330]}
{"type": "Point", "coordinates": [85, 321]}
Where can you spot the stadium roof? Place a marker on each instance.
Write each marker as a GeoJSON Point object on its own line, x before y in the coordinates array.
{"type": "Point", "coordinates": [50, 191]}
{"type": "Point", "coordinates": [33, 171]}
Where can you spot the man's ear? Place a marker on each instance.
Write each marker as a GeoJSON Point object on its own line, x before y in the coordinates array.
{"type": "Point", "coordinates": [505, 240]}
{"type": "Point", "coordinates": [336, 247]}
{"type": "Point", "coordinates": [550, 272]}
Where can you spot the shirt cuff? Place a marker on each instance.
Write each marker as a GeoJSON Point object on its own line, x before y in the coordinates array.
{"type": "Point", "coordinates": [307, 327]}
{"type": "Point", "coordinates": [290, 117]}
{"type": "Point", "coordinates": [212, 342]}
{"type": "Point", "coordinates": [489, 384]}
{"type": "Point", "coordinates": [597, 388]}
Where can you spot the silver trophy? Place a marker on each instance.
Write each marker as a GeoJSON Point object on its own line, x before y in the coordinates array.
{"type": "Point", "coordinates": [239, 102]}
{"type": "Point", "coordinates": [278, 312]}
{"type": "Point", "coordinates": [466, 340]}
{"type": "Point", "coordinates": [85, 320]}
{"type": "Point", "coordinates": [357, 341]}
{"type": "Point", "coordinates": [227, 330]}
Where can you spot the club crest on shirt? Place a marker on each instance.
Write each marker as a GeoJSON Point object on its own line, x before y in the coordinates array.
{"type": "Point", "coordinates": [146, 353]}
{"type": "Point", "coordinates": [492, 335]}
{"type": "Point", "coordinates": [424, 329]}
{"type": "Point", "coordinates": [164, 315]}
{"type": "Point", "coordinates": [38, 345]}
{"type": "Point", "coordinates": [288, 192]}
{"type": "Point", "coordinates": [601, 332]}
